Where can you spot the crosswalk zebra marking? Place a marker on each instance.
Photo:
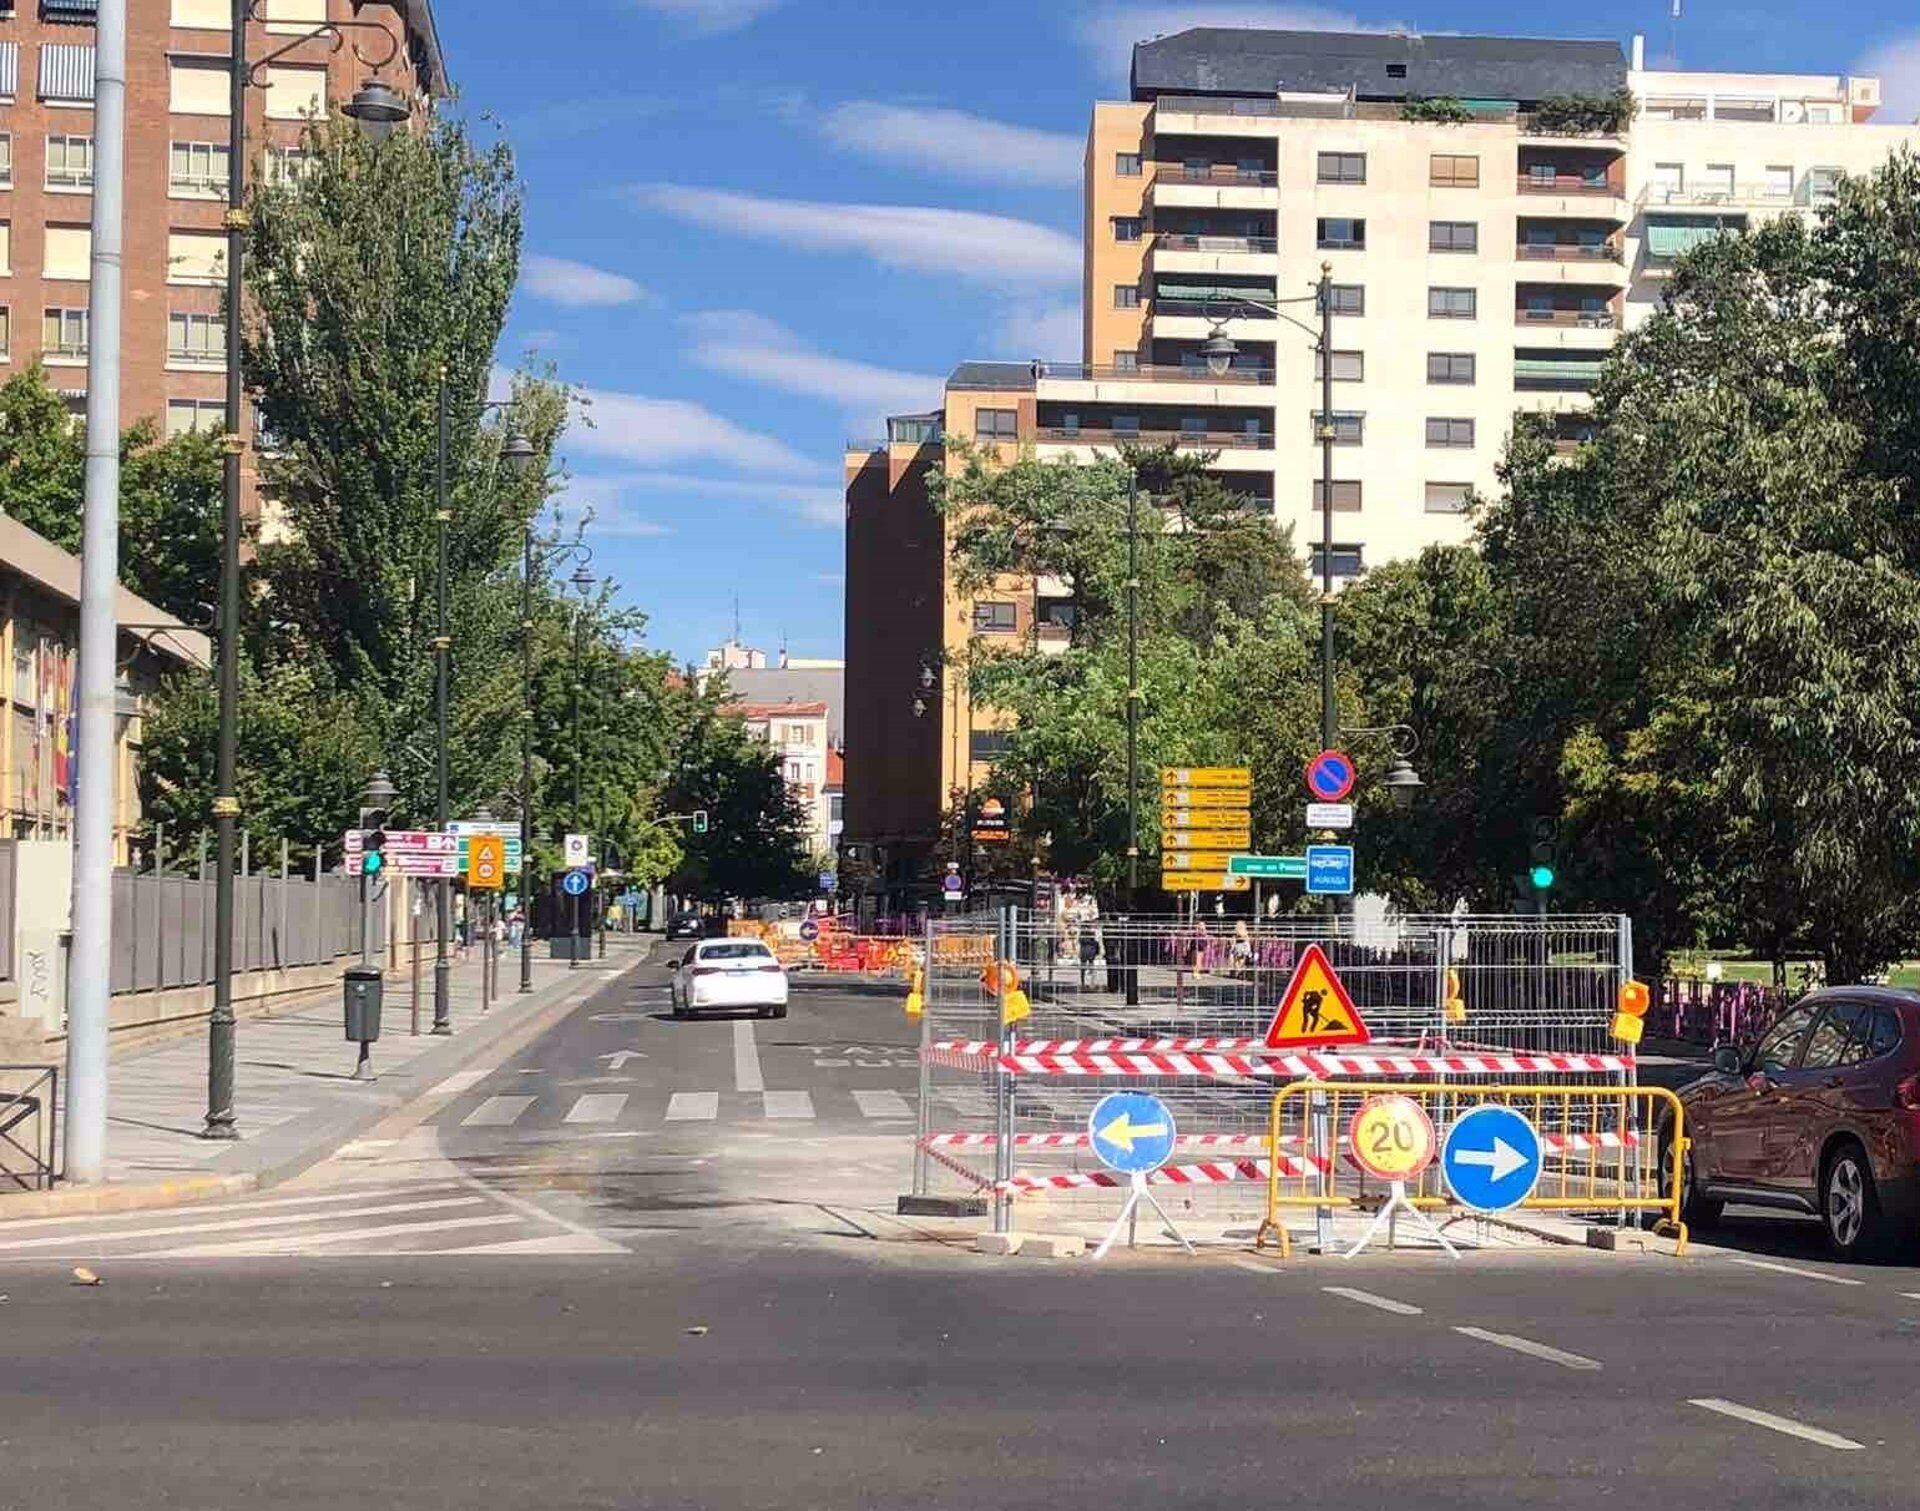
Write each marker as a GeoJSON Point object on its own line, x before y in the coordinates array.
{"type": "Point", "coordinates": [304, 1242]}
{"type": "Point", "coordinates": [92, 1241]}
{"type": "Point", "coordinates": [693, 1106]}
{"type": "Point", "coordinates": [497, 1112]}
{"type": "Point", "coordinates": [882, 1104]}
{"type": "Point", "coordinates": [788, 1104]}
{"type": "Point", "coordinates": [597, 1107]}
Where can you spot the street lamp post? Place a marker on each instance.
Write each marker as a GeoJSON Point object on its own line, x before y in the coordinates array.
{"type": "Point", "coordinates": [378, 109]}
{"type": "Point", "coordinates": [582, 581]}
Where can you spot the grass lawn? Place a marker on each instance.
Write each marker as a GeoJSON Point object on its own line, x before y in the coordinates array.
{"type": "Point", "coordinates": [1732, 968]}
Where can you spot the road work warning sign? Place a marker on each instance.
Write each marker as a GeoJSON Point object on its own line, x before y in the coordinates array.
{"type": "Point", "coordinates": [1316, 1010]}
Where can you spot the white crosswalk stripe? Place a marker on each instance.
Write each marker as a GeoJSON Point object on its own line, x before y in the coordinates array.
{"type": "Point", "coordinates": [788, 1104]}
{"type": "Point", "coordinates": [693, 1106]}
{"type": "Point", "coordinates": [597, 1107]}
{"type": "Point", "coordinates": [94, 1241]}
{"type": "Point", "coordinates": [497, 1112]}
{"type": "Point", "coordinates": [882, 1104]}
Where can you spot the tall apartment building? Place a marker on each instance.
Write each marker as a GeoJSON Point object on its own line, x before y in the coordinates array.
{"type": "Point", "coordinates": [174, 335]}
{"type": "Point", "coordinates": [1480, 268]}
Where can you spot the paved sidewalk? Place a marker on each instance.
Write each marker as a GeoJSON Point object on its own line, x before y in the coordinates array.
{"type": "Point", "coordinates": [294, 1096]}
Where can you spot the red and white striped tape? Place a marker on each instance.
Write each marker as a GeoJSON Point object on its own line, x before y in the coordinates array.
{"type": "Point", "coordinates": [1085, 1140]}
{"type": "Point", "coordinates": [1209, 1173]}
{"type": "Point", "coordinates": [1023, 1059]}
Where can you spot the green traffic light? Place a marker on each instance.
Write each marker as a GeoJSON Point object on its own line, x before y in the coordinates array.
{"type": "Point", "coordinates": [1542, 877]}
{"type": "Point", "coordinates": [371, 863]}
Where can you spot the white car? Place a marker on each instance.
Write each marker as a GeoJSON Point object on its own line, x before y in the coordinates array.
{"type": "Point", "coordinates": [729, 973]}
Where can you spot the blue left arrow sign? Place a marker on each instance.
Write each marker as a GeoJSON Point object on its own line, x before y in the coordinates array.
{"type": "Point", "coordinates": [1131, 1132]}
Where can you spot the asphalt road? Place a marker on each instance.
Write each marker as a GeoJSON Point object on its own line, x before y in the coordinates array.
{"type": "Point", "coordinates": [532, 1306]}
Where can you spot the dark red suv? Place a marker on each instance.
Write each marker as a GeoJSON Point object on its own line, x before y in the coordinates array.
{"type": "Point", "coordinates": [1822, 1116]}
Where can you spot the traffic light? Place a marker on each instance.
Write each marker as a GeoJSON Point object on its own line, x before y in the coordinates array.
{"type": "Point", "coordinates": [1542, 858]}
{"type": "Point", "coordinates": [699, 821]}
{"type": "Point", "coordinates": [373, 843]}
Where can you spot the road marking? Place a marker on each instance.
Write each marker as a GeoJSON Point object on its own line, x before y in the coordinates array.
{"type": "Point", "coordinates": [693, 1106]}
{"type": "Point", "coordinates": [1256, 1266]}
{"type": "Point", "coordinates": [1767, 1419]}
{"type": "Point", "coordinates": [788, 1104]}
{"type": "Point", "coordinates": [1367, 1298]}
{"type": "Point", "coordinates": [1528, 1346]}
{"type": "Point", "coordinates": [746, 1058]}
{"type": "Point", "coordinates": [306, 1242]}
{"type": "Point", "coordinates": [558, 1243]}
{"type": "Point", "coordinates": [90, 1241]}
{"type": "Point", "coordinates": [459, 1081]}
{"type": "Point", "coordinates": [882, 1104]}
{"type": "Point", "coordinates": [596, 1107]}
{"type": "Point", "coordinates": [1793, 1269]}
{"type": "Point", "coordinates": [497, 1112]}
{"type": "Point", "coordinates": [211, 1209]}
{"type": "Point", "coordinates": [1911, 1295]}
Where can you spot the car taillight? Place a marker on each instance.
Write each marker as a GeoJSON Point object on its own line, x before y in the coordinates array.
{"type": "Point", "coordinates": [1907, 1093]}
{"type": "Point", "coordinates": [707, 970]}
{"type": "Point", "coordinates": [771, 965]}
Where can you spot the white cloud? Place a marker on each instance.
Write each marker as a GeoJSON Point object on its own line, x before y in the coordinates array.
{"type": "Point", "coordinates": [1108, 31]}
{"type": "Point", "coordinates": [952, 141]}
{"type": "Point", "coordinates": [707, 17]}
{"type": "Point", "coordinates": [577, 285]}
{"type": "Point", "coordinates": [813, 503]}
{"type": "Point", "coordinates": [1039, 328]}
{"type": "Point", "coordinates": [749, 346]}
{"type": "Point", "coordinates": [654, 432]}
{"type": "Point", "coordinates": [959, 243]}
{"type": "Point", "coordinates": [1896, 64]}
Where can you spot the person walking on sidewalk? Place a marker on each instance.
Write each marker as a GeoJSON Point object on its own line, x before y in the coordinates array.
{"type": "Point", "coordinates": [1089, 948]}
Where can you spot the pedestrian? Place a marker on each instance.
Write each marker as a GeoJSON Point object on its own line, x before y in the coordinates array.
{"type": "Point", "coordinates": [1089, 948]}
{"type": "Point", "coordinates": [460, 937]}
{"type": "Point", "coordinates": [1242, 945]}
{"type": "Point", "coordinates": [516, 927]}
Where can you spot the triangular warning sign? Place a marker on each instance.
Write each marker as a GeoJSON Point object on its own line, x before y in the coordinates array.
{"type": "Point", "coordinates": [1316, 1010]}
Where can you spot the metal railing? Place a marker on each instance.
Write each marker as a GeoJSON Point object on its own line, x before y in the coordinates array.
{"type": "Point", "coordinates": [1711, 196]}
{"type": "Point", "coordinates": [1568, 251]}
{"type": "Point", "coordinates": [1598, 320]}
{"type": "Point", "coordinates": [1569, 183]}
{"type": "Point", "coordinates": [1213, 309]}
{"type": "Point", "coordinates": [1191, 104]}
{"type": "Point", "coordinates": [29, 1095]}
{"type": "Point", "coordinates": [1155, 373]}
{"type": "Point", "coordinates": [1213, 440]}
{"type": "Point", "coordinates": [1187, 241]}
{"type": "Point", "coordinates": [1219, 175]}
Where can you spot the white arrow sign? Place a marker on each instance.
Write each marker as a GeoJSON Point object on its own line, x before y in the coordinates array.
{"type": "Point", "coordinates": [620, 1057]}
{"type": "Point", "coordinates": [1500, 1161]}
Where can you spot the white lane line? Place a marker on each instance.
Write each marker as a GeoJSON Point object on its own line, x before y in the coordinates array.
{"type": "Point", "coordinates": [459, 1081]}
{"type": "Point", "coordinates": [693, 1106]}
{"type": "Point", "coordinates": [746, 1058]}
{"type": "Point", "coordinates": [788, 1104]}
{"type": "Point", "coordinates": [525, 1208]}
{"type": "Point", "coordinates": [559, 1243]}
{"type": "Point", "coordinates": [1792, 1269]}
{"type": "Point", "coordinates": [1528, 1346]}
{"type": "Point", "coordinates": [597, 1107]}
{"type": "Point", "coordinates": [882, 1104]}
{"type": "Point", "coordinates": [90, 1241]}
{"type": "Point", "coordinates": [1256, 1267]}
{"type": "Point", "coordinates": [1767, 1419]}
{"type": "Point", "coordinates": [305, 1243]}
{"type": "Point", "coordinates": [1367, 1298]}
{"type": "Point", "coordinates": [497, 1112]}
{"type": "Point", "coordinates": [211, 1209]}
{"type": "Point", "coordinates": [1911, 1295]}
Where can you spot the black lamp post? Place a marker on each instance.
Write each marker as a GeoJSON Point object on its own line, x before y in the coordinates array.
{"type": "Point", "coordinates": [582, 581]}
{"type": "Point", "coordinates": [378, 109]}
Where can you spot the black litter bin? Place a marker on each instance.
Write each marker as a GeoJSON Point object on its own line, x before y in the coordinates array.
{"type": "Point", "coordinates": [362, 989]}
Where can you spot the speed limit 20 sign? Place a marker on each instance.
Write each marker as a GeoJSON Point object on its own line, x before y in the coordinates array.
{"type": "Point", "coordinates": [486, 862]}
{"type": "Point", "coordinates": [1392, 1138]}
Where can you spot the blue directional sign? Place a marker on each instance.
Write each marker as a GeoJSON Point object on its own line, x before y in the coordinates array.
{"type": "Point", "coordinates": [1131, 1132]}
{"type": "Point", "coordinates": [575, 883]}
{"type": "Point", "coordinates": [1492, 1158]}
{"type": "Point", "coordinates": [1330, 775]}
{"type": "Point", "coordinates": [1329, 870]}
{"type": "Point", "coordinates": [809, 930]}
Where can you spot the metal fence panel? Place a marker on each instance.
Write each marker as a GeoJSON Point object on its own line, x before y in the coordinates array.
{"type": "Point", "coordinates": [163, 934]}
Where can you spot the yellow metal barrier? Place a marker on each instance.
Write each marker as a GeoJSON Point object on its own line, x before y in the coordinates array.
{"type": "Point", "coordinates": [1599, 1145]}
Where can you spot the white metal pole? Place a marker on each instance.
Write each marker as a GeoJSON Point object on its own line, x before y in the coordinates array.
{"type": "Point", "coordinates": [89, 984]}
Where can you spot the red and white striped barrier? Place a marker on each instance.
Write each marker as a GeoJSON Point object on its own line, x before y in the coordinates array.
{"type": "Point", "coordinates": [1072, 1057]}
{"type": "Point", "coordinates": [1210, 1173]}
{"type": "Point", "coordinates": [1085, 1140]}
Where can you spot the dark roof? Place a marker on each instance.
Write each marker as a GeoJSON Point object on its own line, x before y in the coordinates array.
{"type": "Point", "coordinates": [992, 375]}
{"type": "Point", "coordinates": [1237, 61]}
{"type": "Point", "coordinates": [771, 685]}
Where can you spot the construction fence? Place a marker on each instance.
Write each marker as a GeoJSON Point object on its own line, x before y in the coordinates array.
{"type": "Point", "coordinates": [1182, 1011]}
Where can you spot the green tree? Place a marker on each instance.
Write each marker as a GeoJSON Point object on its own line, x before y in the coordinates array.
{"type": "Point", "coordinates": [755, 844]}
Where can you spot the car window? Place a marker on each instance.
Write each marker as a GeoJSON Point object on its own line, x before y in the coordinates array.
{"type": "Point", "coordinates": [1883, 1034]}
{"type": "Point", "coordinates": [1832, 1039]}
{"type": "Point", "coordinates": [1781, 1045]}
{"type": "Point", "coordinates": [735, 949]}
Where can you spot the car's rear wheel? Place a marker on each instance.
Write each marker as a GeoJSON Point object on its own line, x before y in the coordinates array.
{"type": "Point", "coordinates": [1850, 1204]}
{"type": "Point", "coordinates": [1696, 1210]}
{"type": "Point", "coordinates": [780, 1011]}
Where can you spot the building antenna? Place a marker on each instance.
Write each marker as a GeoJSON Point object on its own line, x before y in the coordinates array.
{"type": "Point", "coordinates": [1673, 47]}
{"type": "Point", "coordinates": [736, 596]}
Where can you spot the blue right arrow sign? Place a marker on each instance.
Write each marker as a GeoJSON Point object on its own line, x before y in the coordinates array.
{"type": "Point", "coordinates": [1492, 1158]}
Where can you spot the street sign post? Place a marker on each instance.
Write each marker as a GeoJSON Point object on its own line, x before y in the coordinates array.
{"type": "Point", "coordinates": [1316, 1010]}
{"type": "Point", "coordinates": [465, 829]}
{"type": "Point", "coordinates": [1132, 1133]}
{"type": "Point", "coordinates": [1392, 1139]}
{"type": "Point", "coordinates": [411, 852]}
{"type": "Point", "coordinates": [1330, 776]}
{"type": "Point", "coordinates": [953, 885]}
{"type": "Point", "coordinates": [1206, 817]}
{"type": "Point", "coordinates": [576, 850]}
{"type": "Point", "coordinates": [1269, 867]}
{"type": "Point", "coordinates": [1329, 815]}
{"type": "Point", "coordinates": [1329, 870]}
{"type": "Point", "coordinates": [1207, 776]}
{"type": "Point", "coordinates": [575, 883]}
{"type": "Point", "coordinates": [809, 930]}
{"type": "Point", "coordinates": [1492, 1158]}
{"type": "Point", "coordinates": [486, 863]}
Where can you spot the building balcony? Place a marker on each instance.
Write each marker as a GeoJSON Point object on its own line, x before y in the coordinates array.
{"type": "Point", "coordinates": [1079, 372]}
{"type": "Point", "coordinates": [1199, 440]}
{"type": "Point", "coordinates": [1585, 253]}
{"type": "Point", "coordinates": [1573, 194]}
{"type": "Point", "coordinates": [1719, 195]}
{"type": "Point", "coordinates": [1577, 329]}
{"type": "Point", "coordinates": [1180, 252]}
{"type": "Point", "coordinates": [1568, 262]}
{"type": "Point", "coordinates": [1220, 187]}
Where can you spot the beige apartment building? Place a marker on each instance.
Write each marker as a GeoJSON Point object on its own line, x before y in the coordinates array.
{"type": "Point", "coordinates": [174, 347]}
{"type": "Point", "coordinates": [1480, 268]}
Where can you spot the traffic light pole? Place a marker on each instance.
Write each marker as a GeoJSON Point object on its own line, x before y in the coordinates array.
{"type": "Point", "coordinates": [442, 644]}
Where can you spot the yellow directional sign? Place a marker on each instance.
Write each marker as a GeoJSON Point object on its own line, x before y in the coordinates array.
{"type": "Point", "coordinates": [1202, 881]}
{"type": "Point", "coordinates": [1205, 799]}
{"type": "Point", "coordinates": [1392, 1138]}
{"type": "Point", "coordinates": [1221, 830]}
{"type": "Point", "coordinates": [1196, 860]}
{"type": "Point", "coordinates": [1206, 776]}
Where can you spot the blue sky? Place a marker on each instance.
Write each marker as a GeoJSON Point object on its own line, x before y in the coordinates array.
{"type": "Point", "coordinates": [756, 226]}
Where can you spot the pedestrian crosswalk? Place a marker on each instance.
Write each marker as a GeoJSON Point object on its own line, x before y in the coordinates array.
{"type": "Point", "coordinates": [606, 1109]}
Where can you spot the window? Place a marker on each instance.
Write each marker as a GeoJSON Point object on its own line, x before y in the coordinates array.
{"type": "Point", "coordinates": [196, 256]}
{"type": "Point", "coordinates": [1343, 168]}
{"type": "Point", "coordinates": [63, 335]}
{"type": "Point", "coordinates": [994, 619]}
{"type": "Point", "coordinates": [988, 745]}
{"type": "Point", "coordinates": [196, 87]}
{"type": "Point", "coordinates": [1451, 304]}
{"type": "Point", "coordinates": [296, 15]}
{"type": "Point", "coordinates": [1126, 424]}
{"type": "Point", "coordinates": [66, 73]}
{"type": "Point", "coordinates": [1069, 422]}
{"type": "Point", "coordinates": [1126, 362]}
{"type": "Point", "coordinates": [6, 159]}
{"type": "Point", "coordinates": [1448, 498]}
{"type": "Point", "coordinates": [1126, 164]}
{"type": "Point", "coordinates": [296, 94]}
{"type": "Point", "coordinates": [1669, 179]}
{"type": "Point", "coordinates": [1449, 432]}
{"type": "Point", "coordinates": [1453, 236]}
{"type": "Point", "coordinates": [1781, 1046]}
{"type": "Point", "coordinates": [1348, 298]}
{"type": "Point", "coordinates": [1717, 180]}
{"type": "Point", "coordinates": [1346, 494]}
{"type": "Point", "coordinates": [1823, 185]}
{"type": "Point", "coordinates": [1450, 367]}
{"type": "Point", "coordinates": [1349, 426]}
{"type": "Point", "coordinates": [195, 416]}
{"type": "Point", "coordinates": [1542, 175]}
{"type": "Point", "coordinates": [289, 165]}
{"type": "Point", "coordinates": [203, 15]}
{"type": "Point", "coordinates": [1450, 170]}
{"type": "Point", "coordinates": [69, 162]}
{"type": "Point", "coordinates": [1827, 1044]}
{"type": "Point", "coordinates": [69, 253]}
{"type": "Point", "coordinates": [1125, 227]}
{"type": "Point", "coordinates": [1396, 70]}
{"type": "Point", "coordinates": [1346, 561]}
{"type": "Point", "coordinates": [996, 424]}
{"type": "Point", "coordinates": [196, 340]}
{"type": "Point", "coordinates": [6, 246]}
{"type": "Point", "coordinates": [1348, 367]}
{"type": "Point", "coordinates": [1883, 1034]}
{"type": "Point", "coordinates": [1341, 233]}
{"type": "Point", "coordinates": [9, 71]}
{"type": "Point", "coordinates": [1126, 296]}
{"type": "Point", "coordinates": [1193, 424]}
{"type": "Point", "coordinates": [197, 168]}
{"type": "Point", "coordinates": [6, 333]}
{"type": "Point", "coordinates": [1779, 181]}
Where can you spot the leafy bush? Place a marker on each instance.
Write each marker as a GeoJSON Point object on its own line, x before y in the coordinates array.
{"type": "Point", "coordinates": [1445, 110]}
{"type": "Point", "coordinates": [1586, 114]}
